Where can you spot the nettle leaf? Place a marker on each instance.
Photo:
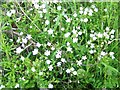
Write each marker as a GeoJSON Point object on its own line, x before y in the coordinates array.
{"type": "Point", "coordinates": [4, 5]}
{"type": "Point", "coordinates": [23, 83]}
{"type": "Point", "coordinates": [83, 48]}
{"type": "Point", "coordinates": [110, 67]}
{"type": "Point", "coordinates": [81, 72]}
{"type": "Point", "coordinates": [30, 84]}
{"type": "Point", "coordinates": [98, 84]}
{"type": "Point", "coordinates": [42, 83]}
{"type": "Point", "coordinates": [108, 84]}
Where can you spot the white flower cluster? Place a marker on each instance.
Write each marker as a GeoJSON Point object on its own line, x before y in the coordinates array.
{"type": "Point", "coordinates": [71, 70]}
{"type": "Point", "coordinates": [76, 33]}
{"type": "Point", "coordinates": [25, 42]}
{"type": "Point", "coordinates": [68, 57]}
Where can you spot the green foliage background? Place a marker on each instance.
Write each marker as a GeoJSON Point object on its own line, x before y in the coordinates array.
{"type": "Point", "coordinates": [93, 73]}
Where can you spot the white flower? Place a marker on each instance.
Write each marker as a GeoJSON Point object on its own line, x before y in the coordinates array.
{"type": "Point", "coordinates": [92, 35]}
{"type": "Point", "coordinates": [15, 66]}
{"type": "Point", "coordinates": [78, 27]}
{"type": "Point", "coordinates": [81, 11]}
{"type": "Point", "coordinates": [91, 1]}
{"type": "Point", "coordinates": [48, 62]}
{"type": "Point", "coordinates": [91, 51]}
{"type": "Point", "coordinates": [19, 50]}
{"type": "Point", "coordinates": [93, 6]}
{"type": "Point", "coordinates": [86, 9]}
{"type": "Point", "coordinates": [35, 51]}
{"type": "Point", "coordinates": [30, 26]}
{"type": "Point", "coordinates": [50, 31]}
{"type": "Point", "coordinates": [75, 40]}
{"type": "Point", "coordinates": [47, 22]}
{"type": "Point", "coordinates": [17, 85]}
{"type": "Point", "coordinates": [81, 8]}
{"type": "Point", "coordinates": [109, 42]}
{"type": "Point", "coordinates": [28, 36]}
{"type": "Point", "coordinates": [84, 57]}
{"type": "Point", "coordinates": [38, 44]}
{"type": "Point", "coordinates": [74, 72]}
{"type": "Point", "coordinates": [112, 31]}
{"type": "Point", "coordinates": [94, 38]}
{"type": "Point", "coordinates": [41, 16]}
{"type": "Point", "coordinates": [70, 81]}
{"type": "Point", "coordinates": [55, 19]}
{"type": "Point", "coordinates": [85, 12]}
{"type": "Point", "coordinates": [72, 69]}
{"type": "Point", "coordinates": [79, 62]}
{"type": "Point", "coordinates": [33, 69]}
{"type": "Point", "coordinates": [22, 58]}
{"type": "Point", "coordinates": [107, 28]}
{"type": "Point", "coordinates": [65, 15]}
{"type": "Point", "coordinates": [90, 11]}
{"type": "Point", "coordinates": [99, 35]}
{"type": "Point", "coordinates": [23, 45]}
{"type": "Point", "coordinates": [63, 60]}
{"type": "Point", "coordinates": [89, 42]}
{"type": "Point", "coordinates": [74, 31]}
{"type": "Point", "coordinates": [81, 20]}
{"type": "Point", "coordinates": [21, 33]}
{"type": "Point", "coordinates": [58, 55]}
{"type": "Point", "coordinates": [52, 48]}
{"type": "Point", "coordinates": [96, 9]}
{"type": "Point", "coordinates": [94, 51]}
{"type": "Point", "coordinates": [68, 44]}
{"type": "Point", "coordinates": [59, 8]}
{"type": "Point", "coordinates": [11, 40]}
{"type": "Point", "coordinates": [79, 33]}
{"type": "Point", "coordinates": [24, 40]}
{"type": "Point", "coordinates": [43, 6]}
{"type": "Point", "coordinates": [35, 1]}
{"type": "Point", "coordinates": [92, 45]}
{"type": "Point", "coordinates": [48, 43]}
{"type": "Point", "coordinates": [58, 64]}
{"type": "Point", "coordinates": [111, 53]}
{"type": "Point", "coordinates": [90, 14]}
{"type": "Point", "coordinates": [50, 68]}
{"type": "Point", "coordinates": [47, 53]}
{"type": "Point", "coordinates": [40, 73]}
{"type": "Point", "coordinates": [65, 10]}
{"type": "Point", "coordinates": [50, 85]}
{"type": "Point", "coordinates": [13, 11]}
{"type": "Point", "coordinates": [2, 86]}
{"type": "Point", "coordinates": [112, 36]}
{"type": "Point", "coordinates": [36, 5]}
{"type": "Point", "coordinates": [113, 57]}
{"type": "Point", "coordinates": [18, 40]}
{"type": "Point", "coordinates": [62, 28]}
{"type": "Point", "coordinates": [23, 78]}
{"type": "Point", "coordinates": [85, 20]}
{"type": "Point", "coordinates": [67, 34]}
{"type": "Point", "coordinates": [103, 53]}
{"type": "Point", "coordinates": [68, 20]}
{"type": "Point", "coordinates": [68, 70]}
{"type": "Point", "coordinates": [69, 49]}
{"type": "Point", "coordinates": [105, 9]}
{"type": "Point", "coordinates": [105, 34]}
{"type": "Point", "coordinates": [75, 14]}
{"type": "Point", "coordinates": [9, 14]}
